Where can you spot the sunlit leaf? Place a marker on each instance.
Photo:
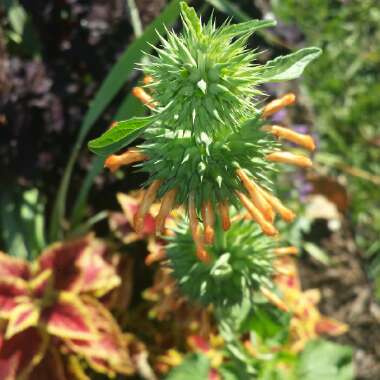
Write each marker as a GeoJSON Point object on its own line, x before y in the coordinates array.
{"type": "Point", "coordinates": [120, 135]}
{"type": "Point", "coordinates": [326, 360]}
{"type": "Point", "coordinates": [248, 27]}
{"type": "Point", "coordinates": [195, 367]}
{"type": "Point", "coordinates": [290, 66]}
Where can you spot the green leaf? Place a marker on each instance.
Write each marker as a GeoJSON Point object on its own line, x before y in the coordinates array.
{"type": "Point", "coordinates": [32, 212]}
{"type": "Point", "coordinates": [325, 360]}
{"type": "Point", "coordinates": [129, 108]}
{"type": "Point", "coordinates": [96, 167]}
{"type": "Point", "coordinates": [317, 253]}
{"type": "Point", "coordinates": [22, 222]}
{"type": "Point", "coordinates": [114, 81]}
{"type": "Point", "coordinates": [191, 18]}
{"type": "Point", "coordinates": [195, 367]}
{"type": "Point", "coordinates": [290, 66]}
{"type": "Point", "coordinates": [119, 136]}
{"type": "Point", "coordinates": [248, 27]}
{"type": "Point", "coordinates": [11, 231]}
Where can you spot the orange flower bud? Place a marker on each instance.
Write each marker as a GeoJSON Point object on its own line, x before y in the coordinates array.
{"type": "Point", "coordinates": [195, 230]}
{"type": "Point", "coordinates": [284, 212]}
{"type": "Point", "coordinates": [225, 215]}
{"type": "Point", "coordinates": [257, 216]}
{"type": "Point", "coordinates": [274, 299]}
{"type": "Point", "coordinates": [166, 206]}
{"type": "Point", "coordinates": [131, 156]}
{"type": "Point", "coordinates": [284, 251]}
{"type": "Point", "coordinates": [208, 222]}
{"type": "Point", "coordinates": [285, 133]}
{"type": "Point", "coordinates": [256, 197]}
{"type": "Point", "coordinates": [148, 79]}
{"type": "Point", "coordinates": [144, 97]}
{"type": "Point", "coordinates": [278, 104]}
{"type": "Point", "coordinates": [290, 158]}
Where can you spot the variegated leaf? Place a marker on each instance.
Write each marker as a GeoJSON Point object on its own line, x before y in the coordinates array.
{"type": "Point", "coordinates": [12, 291]}
{"type": "Point", "coordinates": [68, 317]}
{"type": "Point", "coordinates": [24, 316]}
{"type": "Point", "coordinates": [20, 354]}
{"type": "Point", "coordinates": [13, 267]}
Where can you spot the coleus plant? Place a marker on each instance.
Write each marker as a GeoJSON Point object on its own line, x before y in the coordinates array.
{"type": "Point", "coordinates": [50, 315]}
{"type": "Point", "coordinates": [207, 144]}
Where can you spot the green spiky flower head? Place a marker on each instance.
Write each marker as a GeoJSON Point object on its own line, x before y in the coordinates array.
{"type": "Point", "coordinates": [206, 145]}
{"type": "Point", "coordinates": [241, 263]}
{"type": "Point", "coordinates": [205, 78]}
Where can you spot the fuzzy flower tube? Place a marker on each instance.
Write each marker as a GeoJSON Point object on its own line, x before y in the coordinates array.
{"type": "Point", "coordinates": [207, 144]}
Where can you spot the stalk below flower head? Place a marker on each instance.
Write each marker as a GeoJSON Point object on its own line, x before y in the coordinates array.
{"type": "Point", "coordinates": [208, 145]}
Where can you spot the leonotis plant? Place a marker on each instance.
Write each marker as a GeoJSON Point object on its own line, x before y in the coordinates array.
{"type": "Point", "coordinates": [207, 144]}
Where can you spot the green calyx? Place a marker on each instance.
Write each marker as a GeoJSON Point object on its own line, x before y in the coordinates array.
{"type": "Point", "coordinates": [241, 263]}
{"type": "Point", "coordinates": [205, 167]}
{"type": "Point", "coordinates": [205, 78]}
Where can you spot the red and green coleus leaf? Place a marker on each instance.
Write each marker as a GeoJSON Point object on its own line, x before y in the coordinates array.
{"type": "Point", "coordinates": [97, 275]}
{"type": "Point", "coordinates": [68, 317]}
{"type": "Point", "coordinates": [23, 316]}
{"type": "Point", "coordinates": [13, 267]}
{"type": "Point", "coordinates": [21, 353]}
{"type": "Point", "coordinates": [12, 292]}
{"type": "Point", "coordinates": [108, 352]}
{"type": "Point", "coordinates": [79, 266]}
{"type": "Point", "coordinates": [122, 228]}
{"type": "Point", "coordinates": [42, 285]}
{"type": "Point", "coordinates": [52, 367]}
{"type": "Point", "coordinates": [62, 259]}
{"type": "Point", "coordinates": [130, 205]}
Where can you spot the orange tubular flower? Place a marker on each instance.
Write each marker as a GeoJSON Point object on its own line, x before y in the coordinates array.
{"type": "Point", "coordinates": [305, 141]}
{"type": "Point", "coordinates": [284, 212]}
{"type": "Point", "coordinates": [278, 104]}
{"type": "Point", "coordinates": [256, 197]}
{"type": "Point", "coordinates": [225, 215]}
{"type": "Point", "coordinates": [144, 97]}
{"type": "Point", "coordinates": [290, 158]}
{"type": "Point", "coordinates": [274, 299]}
{"type": "Point", "coordinates": [148, 79]}
{"type": "Point", "coordinates": [195, 230]}
{"type": "Point", "coordinates": [167, 204]}
{"type": "Point", "coordinates": [208, 221]}
{"type": "Point", "coordinates": [285, 251]}
{"type": "Point", "coordinates": [131, 156]}
{"type": "Point", "coordinates": [257, 216]}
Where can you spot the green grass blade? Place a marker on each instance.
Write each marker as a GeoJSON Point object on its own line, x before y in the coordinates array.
{"type": "Point", "coordinates": [22, 222]}
{"type": "Point", "coordinates": [130, 107]}
{"type": "Point", "coordinates": [229, 8]}
{"type": "Point", "coordinates": [109, 88]}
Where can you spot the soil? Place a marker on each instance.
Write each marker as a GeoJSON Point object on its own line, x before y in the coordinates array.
{"type": "Point", "coordinates": [347, 295]}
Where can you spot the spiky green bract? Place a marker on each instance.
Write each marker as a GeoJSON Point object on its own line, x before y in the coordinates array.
{"type": "Point", "coordinates": [207, 168]}
{"type": "Point", "coordinates": [205, 78]}
{"type": "Point", "coordinates": [241, 262]}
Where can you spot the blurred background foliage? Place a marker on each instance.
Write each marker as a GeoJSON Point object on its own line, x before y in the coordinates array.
{"type": "Point", "coordinates": [343, 87]}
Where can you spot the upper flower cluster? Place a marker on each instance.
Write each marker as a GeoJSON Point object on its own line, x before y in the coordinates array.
{"type": "Point", "coordinates": [205, 78]}
{"type": "Point", "coordinates": [207, 145]}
